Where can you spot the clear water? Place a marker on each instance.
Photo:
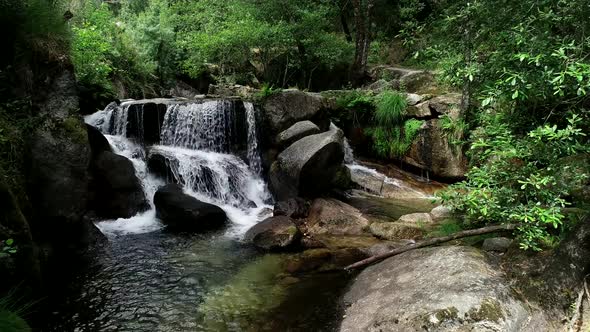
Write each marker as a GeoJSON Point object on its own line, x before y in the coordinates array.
{"type": "Point", "coordinates": [147, 279]}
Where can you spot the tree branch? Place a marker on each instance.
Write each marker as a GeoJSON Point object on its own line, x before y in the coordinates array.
{"type": "Point", "coordinates": [430, 242]}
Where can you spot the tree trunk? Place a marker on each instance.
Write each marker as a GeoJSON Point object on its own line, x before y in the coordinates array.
{"type": "Point", "coordinates": [362, 19]}
{"type": "Point", "coordinates": [430, 242]}
{"type": "Point", "coordinates": [344, 21]}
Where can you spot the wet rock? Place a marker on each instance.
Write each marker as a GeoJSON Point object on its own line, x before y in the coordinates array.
{"type": "Point", "coordinates": [441, 212]}
{"type": "Point", "coordinates": [296, 132]}
{"type": "Point", "coordinates": [331, 216]}
{"type": "Point", "coordinates": [98, 143]}
{"type": "Point", "coordinates": [435, 289]}
{"type": "Point", "coordinates": [308, 167]}
{"type": "Point", "coordinates": [274, 234]}
{"type": "Point", "coordinates": [396, 230]}
{"type": "Point", "coordinates": [182, 212]}
{"type": "Point", "coordinates": [416, 218]}
{"type": "Point", "coordinates": [285, 108]}
{"type": "Point", "coordinates": [296, 208]}
{"type": "Point", "coordinates": [118, 191]}
{"type": "Point", "coordinates": [499, 244]}
{"type": "Point", "coordinates": [432, 152]}
{"type": "Point", "coordinates": [60, 157]}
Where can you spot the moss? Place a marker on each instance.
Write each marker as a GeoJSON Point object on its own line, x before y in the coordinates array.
{"type": "Point", "coordinates": [447, 314]}
{"type": "Point", "coordinates": [489, 310]}
{"type": "Point", "coordinates": [74, 128]}
{"type": "Point", "coordinates": [292, 230]}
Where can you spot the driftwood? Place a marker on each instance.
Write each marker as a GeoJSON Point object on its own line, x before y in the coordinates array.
{"type": "Point", "coordinates": [430, 242]}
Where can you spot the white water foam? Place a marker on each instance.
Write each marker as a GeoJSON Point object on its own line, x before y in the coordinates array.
{"type": "Point", "coordinates": [192, 137]}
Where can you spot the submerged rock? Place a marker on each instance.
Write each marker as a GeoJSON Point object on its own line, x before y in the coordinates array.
{"type": "Point", "coordinates": [182, 212]}
{"type": "Point", "coordinates": [331, 216]}
{"type": "Point", "coordinates": [435, 289]}
{"type": "Point", "coordinates": [118, 191]}
{"type": "Point", "coordinates": [309, 166]}
{"type": "Point", "coordinates": [274, 234]}
{"type": "Point", "coordinates": [296, 132]}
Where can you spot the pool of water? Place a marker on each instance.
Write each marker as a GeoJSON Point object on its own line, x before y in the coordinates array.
{"type": "Point", "coordinates": [160, 281]}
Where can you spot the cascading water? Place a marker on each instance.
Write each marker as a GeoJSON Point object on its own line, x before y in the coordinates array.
{"type": "Point", "coordinates": [196, 140]}
{"type": "Point", "coordinates": [371, 179]}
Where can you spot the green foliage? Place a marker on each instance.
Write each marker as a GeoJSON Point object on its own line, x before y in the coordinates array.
{"type": "Point", "coordinates": [270, 38]}
{"type": "Point", "coordinates": [267, 91]}
{"type": "Point", "coordinates": [390, 109]}
{"type": "Point", "coordinates": [514, 179]}
{"type": "Point", "coordinates": [8, 247]}
{"type": "Point", "coordinates": [453, 129]}
{"type": "Point", "coordinates": [11, 313]}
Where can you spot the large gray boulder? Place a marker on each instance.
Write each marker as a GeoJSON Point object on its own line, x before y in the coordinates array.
{"type": "Point", "coordinates": [297, 132]}
{"type": "Point", "coordinates": [285, 108]}
{"type": "Point", "coordinates": [274, 234]}
{"type": "Point", "coordinates": [117, 190]}
{"type": "Point", "coordinates": [309, 166]}
{"type": "Point", "coordinates": [436, 289]}
{"type": "Point", "coordinates": [181, 212]}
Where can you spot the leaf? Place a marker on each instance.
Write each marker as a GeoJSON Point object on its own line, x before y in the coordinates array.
{"type": "Point", "coordinates": [9, 242]}
{"type": "Point", "coordinates": [515, 94]}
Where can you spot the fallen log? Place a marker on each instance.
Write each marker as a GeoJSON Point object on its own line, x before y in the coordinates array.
{"type": "Point", "coordinates": [430, 242]}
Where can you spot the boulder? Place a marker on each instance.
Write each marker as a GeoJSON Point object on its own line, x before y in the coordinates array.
{"type": "Point", "coordinates": [118, 191]}
{"type": "Point", "coordinates": [416, 218]}
{"type": "Point", "coordinates": [499, 244]}
{"type": "Point", "coordinates": [285, 108]}
{"type": "Point", "coordinates": [274, 234]}
{"type": "Point", "coordinates": [396, 230]}
{"type": "Point", "coordinates": [182, 212]}
{"type": "Point", "coordinates": [58, 174]}
{"type": "Point", "coordinates": [331, 216]}
{"type": "Point", "coordinates": [98, 143]}
{"type": "Point", "coordinates": [296, 208]}
{"type": "Point", "coordinates": [296, 132]}
{"type": "Point", "coordinates": [419, 111]}
{"type": "Point", "coordinates": [417, 81]}
{"type": "Point", "coordinates": [413, 98]}
{"type": "Point", "coordinates": [441, 212]}
{"type": "Point", "coordinates": [436, 289]}
{"type": "Point", "coordinates": [432, 152]}
{"type": "Point", "coordinates": [308, 167]}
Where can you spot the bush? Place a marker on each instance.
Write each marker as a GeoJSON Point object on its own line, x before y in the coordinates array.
{"type": "Point", "coordinates": [515, 180]}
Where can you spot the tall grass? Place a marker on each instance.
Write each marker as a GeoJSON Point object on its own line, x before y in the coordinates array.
{"type": "Point", "coordinates": [390, 109]}
{"type": "Point", "coordinates": [12, 310]}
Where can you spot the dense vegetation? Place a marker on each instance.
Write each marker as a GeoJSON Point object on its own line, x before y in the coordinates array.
{"type": "Point", "coordinates": [522, 67]}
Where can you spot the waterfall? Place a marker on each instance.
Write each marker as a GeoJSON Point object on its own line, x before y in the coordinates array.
{"type": "Point", "coordinates": [253, 150]}
{"type": "Point", "coordinates": [203, 126]}
{"type": "Point", "coordinates": [197, 141]}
